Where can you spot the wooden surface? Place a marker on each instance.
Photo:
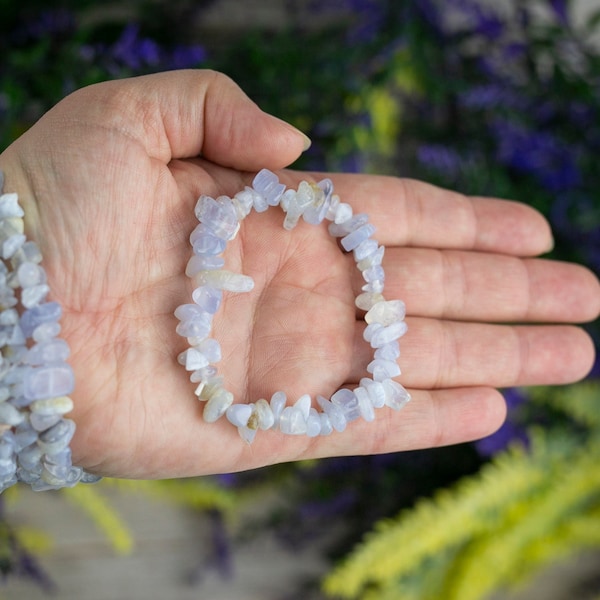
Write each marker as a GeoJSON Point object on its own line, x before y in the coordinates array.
{"type": "Point", "coordinates": [170, 544]}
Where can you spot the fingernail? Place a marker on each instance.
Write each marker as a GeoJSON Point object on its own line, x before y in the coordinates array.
{"type": "Point", "coordinates": [307, 141]}
{"type": "Point", "coordinates": [305, 138]}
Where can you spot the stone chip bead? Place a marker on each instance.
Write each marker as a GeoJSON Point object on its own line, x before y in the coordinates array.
{"type": "Point", "coordinates": [219, 221]}
{"type": "Point", "coordinates": [35, 379]}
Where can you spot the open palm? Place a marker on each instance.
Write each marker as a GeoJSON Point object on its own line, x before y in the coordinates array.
{"type": "Point", "coordinates": [109, 180]}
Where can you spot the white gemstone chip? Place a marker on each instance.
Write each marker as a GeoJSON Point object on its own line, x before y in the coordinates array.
{"type": "Point", "coordinates": [386, 312]}
{"type": "Point", "coordinates": [264, 413]}
{"type": "Point", "coordinates": [239, 414]}
{"type": "Point", "coordinates": [217, 405]}
{"type": "Point", "coordinates": [52, 406]}
{"type": "Point", "coordinates": [222, 279]}
{"type": "Point", "coordinates": [396, 395]}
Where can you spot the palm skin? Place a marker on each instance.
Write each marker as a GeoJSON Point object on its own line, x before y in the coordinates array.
{"type": "Point", "coordinates": [109, 180]}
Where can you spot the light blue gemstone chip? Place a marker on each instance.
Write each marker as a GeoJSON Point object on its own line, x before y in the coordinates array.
{"type": "Point", "coordinates": [48, 382]}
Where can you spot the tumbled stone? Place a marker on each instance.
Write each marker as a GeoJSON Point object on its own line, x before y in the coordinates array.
{"type": "Point", "coordinates": [43, 422]}
{"type": "Point", "coordinates": [326, 426]}
{"type": "Point", "coordinates": [48, 312]}
{"type": "Point", "coordinates": [203, 374]}
{"type": "Point", "coordinates": [11, 244]}
{"type": "Point", "coordinates": [56, 438]}
{"type": "Point", "coordinates": [364, 249]}
{"type": "Point", "coordinates": [375, 273]}
{"type": "Point", "coordinates": [348, 226]}
{"type": "Point", "coordinates": [372, 260]}
{"type": "Point", "coordinates": [198, 263]}
{"type": "Point", "coordinates": [28, 252]}
{"type": "Point", "coordinates": [375, 390]}
{"type": "Point", "coordinates": [352, 240]}
{"type": "Point", "coordinates": [211, 349]}
{"type": "Point", "coordinates": [198, 326]}
{"type": "Point", "coordinates": [383, 369]}
{"type": "Point", "coordinates": [224, 280]}
{"type": "Point", "coordinates": [9, 316]}
{"type": "Point", "coordinates": [24, 436]}
{"type": "Point", "coordinates": [343, 213]}
{"type": "Point", "coordinates": [238, 414]}
{"type": "Point", "coordinates": [29, 457]}
{"type": "Point", "coordinates": [364, 404]}
{"type": "Point", "coordinates": [267, 184]}
{"type": "Point", "coordinates": [49, 381]}
{"type": "Point", "coordinates": [193, 359]}
{"type": "Point", "coordinates": [292, 421]}
{"type": "Point", "coordinates": [396, 395]}
{"type": "Point", "coordinates": [208, 298]}
{"type": "Point", "coordinates": [247, 434]}
{"type": "Point", "coordinates": [367, 300]}
{"type": "Point", "coordinates": [30, 274]}
{"type": "Point", "coordinates": [297, 204]}
{"type": "Point", "coordinates": [385, 335]}
{"type": "Point", "coordinates": [9, 206]}
{"type": "Point", "coordinates": [347, 402]}
{"type": "Point", "coordinates": [277, 404]}
{"type": "Point", "coordinates": [315, 212]}
{"type": "Point", "coordinates": [205, 242]}
{"type": "Point", "coordinates": [375, 286]}
{"type": "Point", "coordinates": [218, 215]}
{"type": "Point", "coordinates": [303, 404]}
{"type": "Point", "coordinates": [386, 312]}
{"type": "Point", "coordinates": [389, 351]}
{"type": "Point", "coordinates": [217, 405]}
{"type": "Point", "coordinates": [53, 350]}
{"type": "Point", "coordinates": [265, 415]}
{"type": "Point", "coordinates": [335, 413]}
{"type": "Point", "coordinates": [46, 332]}
{"type": "Point", "coordinates": [34, 295]}
{"type": "Point", "coordinates": [59, 405]}
{"type": "Point", "coordinates": [9, 415]}
{"type": "Point", "coordinates": [243, 202]}
{"type": "Point", "coordinates": [333, 207]}
{"type": "Point", "coordinates": [313, 423]}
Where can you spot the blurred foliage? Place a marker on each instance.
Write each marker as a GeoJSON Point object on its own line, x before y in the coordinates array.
{"type": "Point", "coordinates": [497, 99]}
{"type": "Point", "coordinates": [524, 510]}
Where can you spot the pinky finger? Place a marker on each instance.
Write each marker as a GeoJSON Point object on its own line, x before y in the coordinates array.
{"type": "Point", "coordinates": [432, 418]}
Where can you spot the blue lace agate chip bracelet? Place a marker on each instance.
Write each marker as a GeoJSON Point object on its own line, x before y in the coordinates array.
{"type": "Point", "coordinates": [220, 221]}
{"type": "Point", "coordinates": [35, 379]}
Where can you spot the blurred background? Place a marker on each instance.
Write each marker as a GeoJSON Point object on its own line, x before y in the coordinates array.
{"type": "Point", "coordinates": [493, 98]}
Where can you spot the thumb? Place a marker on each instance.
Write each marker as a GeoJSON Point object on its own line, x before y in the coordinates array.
{"type": "Point", "coordinates": [237, 133]}
{"type": "Point", "coordinates": [185, 114]}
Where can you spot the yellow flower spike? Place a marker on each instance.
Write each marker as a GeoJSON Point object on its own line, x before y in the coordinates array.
{"type": "Point", "coordinates": [90, 500]}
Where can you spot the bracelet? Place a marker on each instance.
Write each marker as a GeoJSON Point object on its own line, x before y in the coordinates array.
{"type": "Point", "coordinates": [35, 379]}
{"type": "Point", "coordinates": [220, 220]}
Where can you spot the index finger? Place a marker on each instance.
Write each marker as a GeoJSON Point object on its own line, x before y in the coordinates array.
{"type": "Point", "coordinates": [407, 212]}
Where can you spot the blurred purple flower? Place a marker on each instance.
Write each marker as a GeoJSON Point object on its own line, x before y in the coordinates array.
{"type": "Point", "coordinates": [560, 10]}
{"type": "Point", "coordinates": [483, 21]}
{"type": "Point", "coordinates": [48, 23]}
{"type": "Point", "coordinates": [443, 160]}
{"type": "Point", "coordinates": [537, 153]}
{"type": "Point", "coordinates": [492, 96]}
{"type": "Point", "coordinates": [187, 57]}
{"type": "Point", "coordinates": [134, 52]}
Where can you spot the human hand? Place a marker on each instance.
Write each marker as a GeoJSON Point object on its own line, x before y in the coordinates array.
{"type": "Point", "coordinates": [109, 179]}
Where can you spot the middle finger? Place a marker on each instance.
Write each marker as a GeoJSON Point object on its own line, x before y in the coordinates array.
{"type": "Point", "coordinates": [473, 286]}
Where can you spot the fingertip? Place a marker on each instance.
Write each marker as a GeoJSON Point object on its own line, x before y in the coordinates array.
{"type": "Point", "coordinates": [512, 227]}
